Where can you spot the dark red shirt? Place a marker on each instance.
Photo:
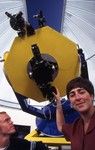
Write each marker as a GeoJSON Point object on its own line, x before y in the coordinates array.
{"type": "Point", "coordinates": [80, 140]}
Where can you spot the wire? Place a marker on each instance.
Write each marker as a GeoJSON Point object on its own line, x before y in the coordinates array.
{"type": "Point", "coordinates": [45, 113]}
{"type": "Point", "coordinates": [90, 57]}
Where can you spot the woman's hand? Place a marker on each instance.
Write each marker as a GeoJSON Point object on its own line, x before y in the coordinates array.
{"type": "Point", "coordinates": [57, 95]}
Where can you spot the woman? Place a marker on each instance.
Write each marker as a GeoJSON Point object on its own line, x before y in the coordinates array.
{"type": "Point", "coordinates": [81, 133]}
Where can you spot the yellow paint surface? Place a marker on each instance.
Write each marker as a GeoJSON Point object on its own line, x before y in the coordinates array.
{"type": "Point", "coordinates": [34, 136]}
{"type": "Point", "coordinates": [49, 42]}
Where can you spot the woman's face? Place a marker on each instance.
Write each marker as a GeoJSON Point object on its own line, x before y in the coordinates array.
{"type": "Point", "coordinates": [80, 99]}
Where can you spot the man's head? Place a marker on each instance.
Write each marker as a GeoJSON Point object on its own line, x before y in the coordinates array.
{"type": "Point", "coordinates": [6, 124]}
{"type": "Point", "coordinates": [82, 83]}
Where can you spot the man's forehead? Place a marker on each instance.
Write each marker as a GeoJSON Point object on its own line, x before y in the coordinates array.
{"type": "Point", "coordinates": [3, 116]}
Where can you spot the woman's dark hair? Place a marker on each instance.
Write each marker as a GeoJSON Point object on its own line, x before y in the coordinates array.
{"type": "Point", "coordinates": [82, 83]}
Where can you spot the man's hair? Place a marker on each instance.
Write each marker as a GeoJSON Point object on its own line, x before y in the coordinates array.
{"type": "Point", "coordinates": [82, 83]}
{"type": "Point", "coordinates": [2, 112]}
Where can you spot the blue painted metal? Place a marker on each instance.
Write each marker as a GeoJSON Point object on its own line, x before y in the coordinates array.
{"type": "Point", "coordinates": [52, 11]}
{"type": "Point", "coordinates": [46, 117]}
{"type": "Point", "coordinates": [48, 127]}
